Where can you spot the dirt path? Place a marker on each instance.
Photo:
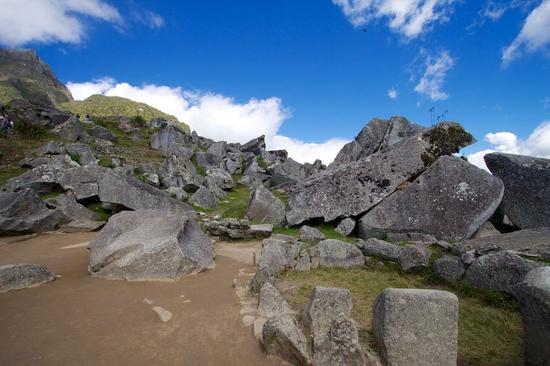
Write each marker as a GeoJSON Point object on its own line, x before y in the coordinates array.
{"type": "Point", "coordinates": [77, 320]}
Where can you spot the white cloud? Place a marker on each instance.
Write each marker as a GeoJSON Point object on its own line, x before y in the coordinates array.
{"type": "Point", "coordinates": [24, 21]}
{"type": "Point", "coordinates": [392, 93]}
{"type": "Point", "coordinates": [537, 144]}
{"type": "Point", "coordinates": [534, 36]}
{"type": "Point", "coordinates": [407, 17]}
{"type": "Point", "coordinates": [218, 117]}
{"type": "Point", "coordinates": [149, 18]}
{"type": "Point", "coordinates": [431, 83]}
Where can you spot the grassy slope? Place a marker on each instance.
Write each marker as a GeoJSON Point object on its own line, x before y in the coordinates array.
{"type": "Point", "coordinates": [490, 327]}
{"type": "Point", "coordinates": [102, 106]}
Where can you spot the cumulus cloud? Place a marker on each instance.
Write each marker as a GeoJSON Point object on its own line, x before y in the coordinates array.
{"type": "Point", "coordinates": [537, 144]}
{"type": "Point", "coordinates": [534, 36]}
{"type": "Point", "coordinates": [431, 83]}
{"type": "Point", "coordinates": [23, 21]}
{"type": "Point", "coordinates": [407, 17]}
{"type": "Point", "coordinates": [392, 93]}
{"type": "Point", "coordinates": [217, 116]}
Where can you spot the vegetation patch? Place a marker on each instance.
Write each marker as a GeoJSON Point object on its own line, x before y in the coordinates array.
{"type": "Point", "coordinates": [327, 229]}
{"type": "Point", "coordinates": [102, 213]}
{"type": "Point", "coordinates": [234, 204]}
{"type": "Point", "coordinates": [490, 326]}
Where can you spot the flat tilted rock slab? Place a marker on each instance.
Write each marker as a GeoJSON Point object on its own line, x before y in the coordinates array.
{"type": "Point", "coordinates": [149, 245]}
{"type": "Point", "coordinates": [527, 188]}
{"type": "Point", "coordinates": [23, 275]}
{"type": "Point", "coordinates": [416, 327]}
{"type": "Point", "coordinates": [451, 200]}
{"type": "Point", "coordinates": [359, 186]}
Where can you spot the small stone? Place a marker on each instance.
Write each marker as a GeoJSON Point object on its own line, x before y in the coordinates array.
{"type": "Point", "coordinates": [414, 258]}
{"type": "Point", "coordinates": [449, 267]}
{"type": "Point", "coordinates": [308, 233]}
{"type": "Point", "coordinates": [163, 314]}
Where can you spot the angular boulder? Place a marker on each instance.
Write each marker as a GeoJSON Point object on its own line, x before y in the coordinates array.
{"type": "Point", "coordinates": [526, 180]}
{"type": "Point", "coordinates": [381, 249]}
{"type": "Point", "coordinates": [449, 267]}
{"type": "Point", "coordinates": [336, 253]}
{"type": "Point", "coordinates": [71, 210]}
{"type": "Point", "coordinates": [416, 327]}
{"type": "Point", "coordinates": [308, 233]}
{"type": "Point", "coordinates": [346, 226]}
{"type": "Point", "coordinates": [42, 179]}
{"type": "Point", "coordinates": [169, 137]}
{"type": "Point", "coordinates": [220, 177]}
{"type": "Point", "coordinates": [271, 303]}
{"type": "Point", "coordinates": [282, 338]}
{"type": "Point", "coordinates": [254, 146]}
{"type": "Point", "coordinates": [451, 200]}
{"type": "Point", "coordinates": [148, 245]}
{"type": "Point", "coordinates": [278, 253]}
{"type": "Point", "coordinates": [325, 303]}
{"type": "Point", "coordinates": [534, 300]}
{"type": "Point", "coordinates": [23, 275]}
{"type": "Point", "coordinates": [23, 212]}
{"type": "Point", "coordinates": [204, 198]}
{"type": "Point", "coordinates": [81, 153]}
{"type": "Point", "coordinates": [265, 207]}
{"type": "Point", "coordinates": [414, 257]}
{"type": "Point", "coordinates": [179, 171]}
{"type": "Point", "coordinates": [357, 187]}
{"type": "Point", "coordinates": [102, 133]}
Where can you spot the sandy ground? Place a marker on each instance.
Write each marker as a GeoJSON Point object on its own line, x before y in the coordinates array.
{"type": "Point", "coordinates": [78, 320]}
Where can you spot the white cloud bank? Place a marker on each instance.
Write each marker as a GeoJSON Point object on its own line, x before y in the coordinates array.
{"type": "Point", "coordinates": [431, 83]}
{"type": "Point", "coordinates": [23, 21]}
{"type": "Point", "coordinates": [407, 17]}
{"type": "Point", "coordinates": [218, 117]}
{"type": "Point", "coordinates": [534, 36]}
{"type": "Point", "coordinates": [537, 144]}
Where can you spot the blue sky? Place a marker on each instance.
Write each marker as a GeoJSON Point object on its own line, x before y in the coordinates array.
{"type": "Point", "coordinates": [306, 71]}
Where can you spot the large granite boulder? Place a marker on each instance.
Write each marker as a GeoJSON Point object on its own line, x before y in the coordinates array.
{"type": "Point", "coordinates": [218, 148]}
{"type": "Point", "coordinates": [340, 345]}
{"type": "Point", "coordinates": [271, 303]}
{"type": "Point", "coordinates": [81, 153]}
{"type": "Point", "coordinates": [416, 327]}
{"type": "Point", "coordinates": [534, 300]}
{"type": "Point", "coordinates": [265, 207]}
{"type": "Point", "coordinates": [414, 257]}
{"type": "Point", "coordinates": [23, 212]}
{"type": "Point", "coordinates": [346, 226]}
{"type": "Point", "coordinates": [308, 233]}
{"type": "Point", "coordinates": [325, 303]}
{"type": "Point", "coordinates": [204, 198]}
{"type": "Point", "coordinates": [375, 136]}
{"type": "Point", "coordinates": [278, 253]}
{"type": "Point", "coordinates": [169, 137]}
{"type": "Point", "coordinates": [254, 146]}
{"type": "Point", "coordinates": [42, 179]}
{"type": "Point", "coordinates": [220, 177]}
{"type": "Point", "coordinates": [208, 160]}
{"type": "Point", "coordinates": [72, 130]}
{"type": "Point", "coordinates": [178, 170]}
{"type": "Point", "coordinates": [287, 171]}
{"type": "Point", "coordinates": [147, 245]}
{"type": "Point", "coordinates": [381, 249]}
{"type": "Point", "coordinates": [336, 253]}
{"type": "Point", "coordinates": [71, 210]}
{"type": "Point", "coordinates": [531, 242]}
{"type": "Point", "coordinates": [102, 133]}
{"type": "Point", "coordinates": [282, 338]}
{"type": "Point", "coordinates": [499, 271]}
{"type": "Point", "coordinates": [449, 267]}
{"type": "Point", "coordinates": [357, 187]}
{"type": "Point", "coordinates": [526, 180]}
{"type": "Point", "coordinates": [23, 275]}
{"type": "Point", "coordinates": [451, 200]}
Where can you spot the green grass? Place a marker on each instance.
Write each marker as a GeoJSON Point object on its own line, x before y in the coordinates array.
{"type": "Point", "coordinates": [102, 214]}
{"type": "Point", "coordinates": [104, 106]}
{"type": "Point", "coordinates": [262, 163]}
{"type": "Point", "coordinates": [47, 196]}
{"type": "Point", "coordinates": [234, 204]}
{"type": "Point", "coordinates": [8, 172]}
{"type": "Point", "coordinates": [490, 327]}
{"type": "Point", "coordinates": [282, 196]}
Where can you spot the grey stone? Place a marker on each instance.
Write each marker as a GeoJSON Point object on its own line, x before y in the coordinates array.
{"type": "Point", "coordinates": [52, 161]}
{"type": "Point", "coordinates": [532, 242]}
{"type": "Point", "coordinates": [102, 133]}
{"type": "Point", "coordinates": [308, 233]}
{"type": "Point", "coordinates": [527, 188]}
{"type": "Point", "coordinates": [414, 257]}
{"type": "Point", "coordinates": [336, 253]}
{"type": "Point", "coordinates": [265, 207]}
{"type": "Point", "coordinates": [255, 146]}
{"type": "Point", "coordinates": [71, 210]}
{"type": "Point", "coordinates": [534, 300]}
{"type": "Point", "coordinates": [220, 177]}
{"type": "Point", "coordinates": [260, 231]}
{"type": "Point", "coordinates": [177, 192]}
{"type": "Point", "coordinates": [233, 166]}
{"type": "Point", "coordinates": [340, 345]}
{"type": "Point", "coordinates": [325, 303]}
{"type": "Point", "coordinates": [287, 171]}
{"type": "Point", "coordinates": [208, 160]}
{"type": "Point", "coordinates": [80, 226]}
{"type": "Point", "coordinates": [449, 267]}
{"type": "Point", "coordinates": [416, 327]}
{"type": "Point", "coordinates": [282, 338]}
{"type": "Point", "coordinates": [23, 212]}
{"type": "Point", "coordinates": [381, 249]}
{"type": "Point", "coordinates": [451, 200]}
{"type": "Point", "coordinates": [81, 153]}
{"type": "Point", "coordinates": [203, 198]}
{"type": "Point", "coordinates": [499, 271]}
{"type": "Point", "coordinates": [52, 148]}
{"type": "Point", "coordinates": [346, 226]}
{"type": "Point", "coordinates": [271, 303]}
{"type": "Point", "coordinates": [486, 230]}
{"type": "Point", "coordinates": [355, 188]}
{"type": "Point", "coordinates": [278, 253]}
{"type": "Point", "coordinates": [218, 148]}
{"type": "Point", "coordinates": [169, 137]}
{"type": "Point", "coordinates": [178, 170]}
{"type": "Point", "coordinates": [42, 179]}
{"type": "Point", "coordinates": [146, 245]}
{"type": "Point", "coordinates": [304, 262]}
{"type": "Point", "coordinates": [23, 275]}
{"type": "Point", "coordinates": [72, 130]}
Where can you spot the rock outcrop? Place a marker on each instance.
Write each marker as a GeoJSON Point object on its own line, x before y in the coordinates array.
{"type": "Point", "coordinates": [147, 245]}
{"type": "Point", "coordinates": [23, 212]}
{"type": "Point", "coordinates": [336, 253]}
{"type": "Point", "coordinates": [282, 338]}
{"type": "Point", "coordinates": [265, 207]}
{"type": "Point", "coordinates": [526, 180]}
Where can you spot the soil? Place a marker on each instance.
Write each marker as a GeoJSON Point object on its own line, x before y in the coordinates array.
{"type": "Point", "coordinates": [79, 320]}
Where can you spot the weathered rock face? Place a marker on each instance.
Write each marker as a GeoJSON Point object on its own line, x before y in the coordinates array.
{"type": "Point", "coordinates": [208, 160]}
{"type": "Point", "coordinates": [178, 170]}
{"type": "Point", "coordinates": [325, 303]}
{"type": "Point", "coordinates": [414, 257]}
{"type": "Point", "coordinates": [449, 267]}
{"type": "Point", "coordinates": [282, 338]}
{"type": "Point", "coordinates": [149, 245]}
{"type": "Point", "coordinates": [534, 299]}
{"type": "Point", "coordinates": [375, 136]}
{"type": "Point", "coordinates": [451, 201]}
{"type": "Point", "coordinates": [218, 148]}
{"type": "Point", "coordinates": [381, 249]}
{"type": "Point", "coordinates": [80, 226]}
{"type": "Point", "coordinates": [220, 177]}
{"type": "Point", "coordinates": [287, 171]}
{"type": "Point", "coordinates": [265, 207]}
{"type": "Point", "coordinates": [169, 137]}
{"type": "Point", "coordinates": [102, 133]}
{"type": "Point", "coordinates": [71, 210]}
{"type": "Point", "coordinates": [499, 271]}
{"type": "Point", "coordinates": [24, 212]}
{"type": "Point", "coordinates": [271, 303]}
{"type": "Point", "coordinates": [82, 154]}
{"type": "Point", "coordinates": [278, 253]}
{"type": "Point", "coordinates": [20, 276]}
{"type": "Point", "coordinates": [533, 242]}
{"type": "Point", "coordinates": [336, 253]}
{"type": "Point", "coordinates": [527, 188]}
{"type": "Point", "coordinates": [255, 146]}
{"type": "Point", "coordinates": [72, 130]}
{"type": "Point", "coordinates": [42, 179]}
{"type": "Point", "coordinates": [204, 198]}
{"type": "Point", "coordinates": [346, 226]}
{"type": "Point", "coordinates": [416, 327]}
{"type": "Point", "coordinates": [308, 233]}
{"type": "Point", "coordinates": [359, 186]}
